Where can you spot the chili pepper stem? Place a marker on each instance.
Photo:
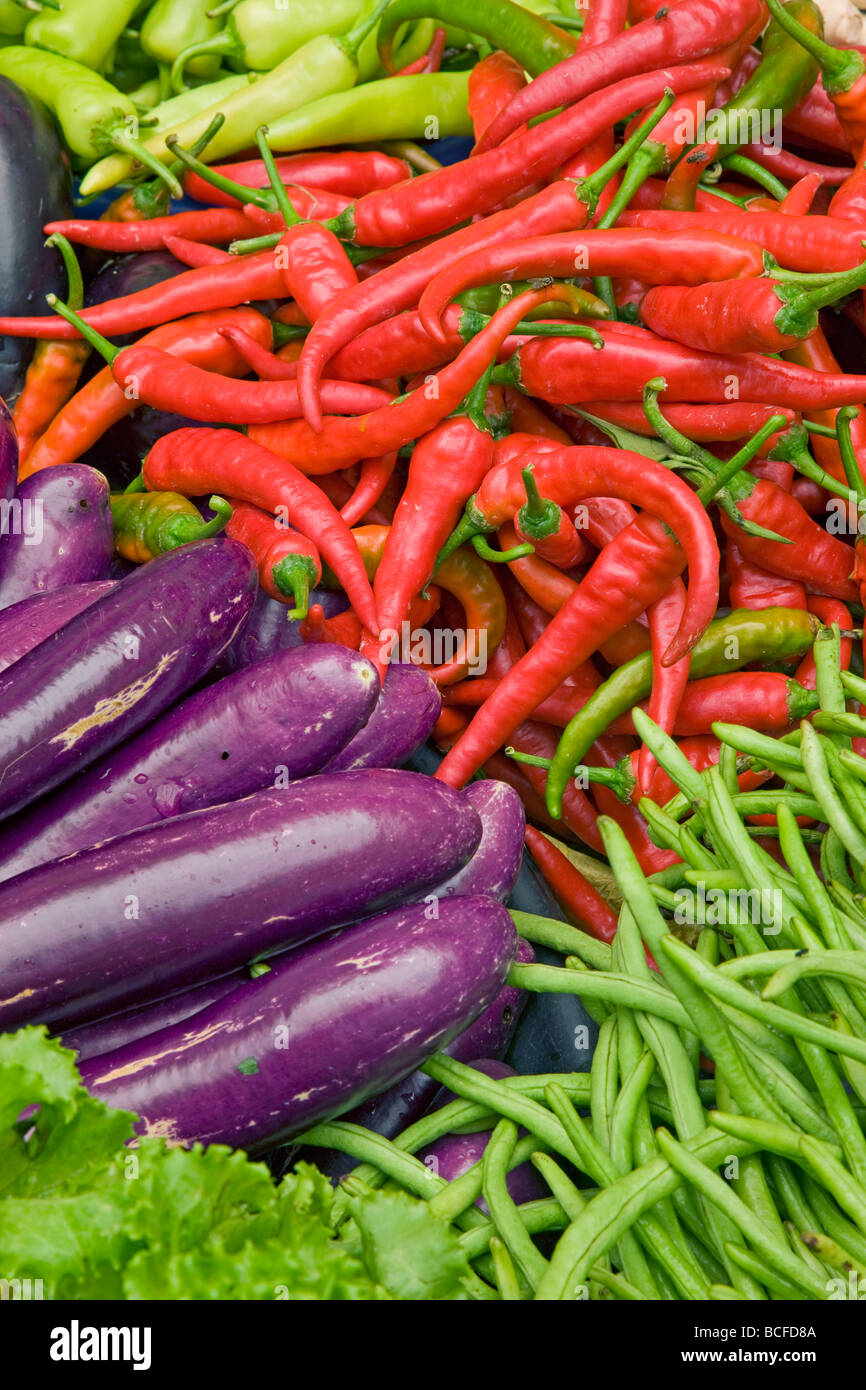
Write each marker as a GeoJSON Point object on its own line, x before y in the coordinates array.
{"type": "Point", "coordinates": [740, 164]}
{"type": "Point", "coordinates": [800, 306]}
{"type": "Point", "coordinates": [265, 201]}
{"type": "Point", "coordinates": [96, 340]}
{"type": "Point", "coordinates": [278, 188]}
{"type": "Point", "coordinates": [127, 144]}
{"type": "Point", "coordinates": [75, 291]}
{"type": "Point", "coordinates": [590, 189]}
{"type": "Point", "coordinates": [850, 462]}
{"type": "Point", "coordinates": [224, 513]}
{"type": "Point", "coordinates": [499, 557]}
{"type": "Point", "coordinates": [840, 68]}
{"type": "Point", "coordinates": [539, 517]}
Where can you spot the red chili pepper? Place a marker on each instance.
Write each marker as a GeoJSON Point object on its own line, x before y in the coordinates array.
{"type": "Point", "coordinates": [668, 682]}
{"type": "Point", "coordinates": [351, 172]}
{"type": "Point", "coordinates": [606, 19]}
{"type": "Point", "coordinates": [430, 61]}
{"type": "Point", "coordinates": [50, 381]}
{"type": "Point", "coordinates": [194, 253]}
{"type": "Point", "coordinates": [681, 186]}
{"type": "Point", "coordinates": [448, 728]}
{"type": "Point", "coordinates": [288, 563]}
{"type": "Point", "coordinates": [760, 699]}
{"type": "Point", "coordinates": [183, 460]}
{"type": "Point", "coordinates": [315, 268]}
{"type": "Point", "coordinates": [375, 476]}
{"type": "Point", "coordinates": [546, 526]}
{"type": "Point", "coordinates": [344, 629]}
{"type": "Point", "coordinates": [705, 424]}
{"type": "Point", "coordinates": [790, 167]}
{"type": "Point", "coordinates": [800, 197]}
{"type": "Point", "coordinates": [214, 225]}
{"type": "Point", "coordinates": [437, 201]}
{"type": "Point", "coordinates": [849, 200]}
{"type": "Point", "coordinates": [567, 371]}
{"type": "Point", "coordinates": [815, 353]}
{"type": "Point", "coordinates": [689, 259]}
{"type": "Point", "coordinates": [345, 441]}
{"type": "Point", "coordinates": [574, 893]}
{"type": "Point", "coordinates": [799, 243]}
{"type": "Point", "coordinates": [751, 586]}
{"type": "Point", "coordinates": [446, 467]}
{"type": "Point", "coordinates": [492, 84]}
{"type": "Point", "coordinates": [101, 403]}
{"type": "Point", "coordinates": [673, 35]}
{"type": "Point", "coordinates": [194, 291]}
{"type": "Point", "coordinates": [760, 315]}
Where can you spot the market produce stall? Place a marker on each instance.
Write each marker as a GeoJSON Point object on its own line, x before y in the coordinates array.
{"type": "Point", "coordinates": [432, 728]}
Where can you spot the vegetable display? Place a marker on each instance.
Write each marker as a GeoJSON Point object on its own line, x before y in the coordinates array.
{"type": "Point", "coordinates": [432, 692]}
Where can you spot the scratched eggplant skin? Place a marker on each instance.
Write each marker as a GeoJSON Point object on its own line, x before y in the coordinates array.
{"type": "Point", "coordinates": [171, 905]}
{"type": "Point", "coordinates": [280, 719]}
{"type": "Point", "coordinates": [24, 625]}
{"type": "Point", "coordinates": [329, 1025]}
{"type": "Point", "coordinates": [118, 665]}
{"type": "Point", "coordinates": [63, 533]}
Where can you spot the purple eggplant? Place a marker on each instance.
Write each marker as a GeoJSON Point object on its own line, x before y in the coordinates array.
{"type": "Point", "coordinates": [35, 188]}
{"type": "Point", "coordinates": [118, 1030]}
{"type": "Point", "coordinates": [8, 453]}
{"type": "Point", "coordinates": [320, 1031]}
{"type": "Point", "coordinates": [408, 706]}
{"type": "Point", "coordinates": [261, 727]}
{"type": "Point", "coordinates": [391, 1111]}
{"type": "Point", "coordinates": [268, 630]}
{"type": "Point", "coordinates": [56, 531]}
{"type": "Point", "coordinates": [118, 665]}
{"type": "Point", "coordinates": [24, 625]}
{"type": "Point", "coordinates": [174, 904]}
{"type": "Point", "coordinates": [494, 866]}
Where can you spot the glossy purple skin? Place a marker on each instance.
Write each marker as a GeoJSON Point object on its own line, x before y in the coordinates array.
{"type": "Point", "coordinates": [268, 630]}
{"type": "Point", "coordinates": [408, 706]}
{"type": "Point", "coordinates": [173, 904]}
{"type": "Point", "coordinates": [494, 866]}
{"type": "Point", "coordinates": [118, 665]}
{"type": "Point", "coordinates": [322, 1030]}
{"type": "Point", "coordinates": [118, 1030]}
{"type": "Point", "coordinates": [57, 531]}
{"type": "Point", "coordinates": [263, 726]}
{"type": "Point", "coordinates": [24, 625]}
{"type": "Point", "coordinates": [490, 1034]}
{"type": "Point", "coordinates": [8, 453]}
{"type": "Point", "coordinates": [454, 1154]}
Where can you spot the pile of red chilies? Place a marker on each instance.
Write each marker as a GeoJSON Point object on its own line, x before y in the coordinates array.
{"type": "Point", "coordinates": [464, 353]}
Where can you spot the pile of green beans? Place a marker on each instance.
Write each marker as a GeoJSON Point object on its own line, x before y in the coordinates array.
{"type": "Point", "coordinates": [716, 1149]}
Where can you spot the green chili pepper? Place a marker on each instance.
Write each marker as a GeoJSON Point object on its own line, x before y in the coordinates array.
{"type": "Point", "coordinates": [172, 26]}
{"type": "Point", "coordinates": [323, 65]}
{"type": "Point", "coordinates": [13, 18]}
{"type": "Point", "coordinates": [260, 34]}
{"type": "Point", "coordinates": [729, 643]}
{"type": "Point", "coordinates": [784, 77]}
{"type": "Point", "coordinates": [534, 42]}
{"type": "Point", "coordinates": [426, 106]}
{"type": "Point", "coordinates": [93, 116]}
{"type": "Point", "coordinates": [147, 524]}
{"type": "Point", "coordinates": [81, 31]}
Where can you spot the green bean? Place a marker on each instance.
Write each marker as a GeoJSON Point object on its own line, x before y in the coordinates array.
{"type": "Point", "coordinates": [616, 1209]}
{"type": "Point", "coordinates": [501, 1204]}
{"type": "Point", "coordinates": [616, 1283]}
{"type": "Point", "coordinates": [855, 685]}
{"type": "Point", "coordinates": [834, 812]}
{"type": "Point", "coordinates": [843, 725]}
{"type": "Point", "coordinates": [624, 1112]}
{"type": "Point", "coordinates": [827, 652]}
{"type": "Point", "coordinates": [840, 965]}
{"type": "Point", "coordinates": [612, 988]}
{"type": "Point", "coordinates": [604, 1082]}
{"type": "Point", "coordinates": [831, 1220]}
{"type": "Point", "coordinates": [834, 862]}
{"type": "Point", "coordinates": [597, 1011]}
{"type": "Point", "coordinates": [559, 936]}
{"type": "Point", "coordinates": [793, 1099]}
{"type": "Point", "coordinates": [771, 751]}
{"type": "Point", "coordinates": [668, 755]}
{"type": "Point", "coordinates": [566, 1192]}
{"type": "Point", "coordinates": [723, 1293]}
{"type": "Point", "coordinates": [664, 831]}
{"type": "Point", "coordinates": [505, 1274]}
{"type": "Point", "coordinates": [364, 1144]}
{"type": "Point", "coordinates": [790, 1192]}
{"type": "Point", "coordinates": [543, 1215]}
{"type": "Point", "coordinates": [728, 768]}
{"type": "Point", "coordinates": [704, 1018]}
{"type": "Point", "coordinates": [801, 866]}
{"type": "Point", "coordinates": [853, 794]}
{"type": "Point", "coordinates": [761, 1236]}
{"type": "Point", "coordinates": [848, 1193]}
{"type": "Point", "coordinates": [853, 763]}
{"type": "Point", "coordinates": [854, 1072]}
{"type": "Point", "coordinates": [764, 1273]}
{"type": "Point", "coordinates": [831, 1253]}
{"type": "Point", "coordinates": [729, 991]}
{"type": "Point", "coordinates": [726, 880]}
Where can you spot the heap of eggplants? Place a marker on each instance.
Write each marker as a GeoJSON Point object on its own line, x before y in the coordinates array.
{"type": "Point", "coordinates": [248, 918]}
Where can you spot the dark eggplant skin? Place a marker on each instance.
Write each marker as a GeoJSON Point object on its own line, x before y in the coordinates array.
{"type": "Point", "coordinates": [320, 1031]}
{"type": "Point", "coordinates": [263, 726]}
{"type": "Point", "coordinates": [118, 665]}
{"type": "Point", "coordinates": [454, 1154]}
{"type": "Point", "coordinates": [8, 453]}
{"type": "Point", "coordinates": [268, 630]}
{"type": "Point", "coordinates": [58, 532]}
{"type": "Point", "coordinates": [392, 1110]}
{"type": "Point", "coordinates": [494, 866]}
{"type": "Point", "coordinates": [192, 898]}
{"type": "Point", "coordinates": [24, 625]}
{"type": "Point", "coordinates": [408, 706]}
{"type": "Point", "coordinates": [35, 188]}
{"type": "Point", "coordinates": [118, 1030]}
